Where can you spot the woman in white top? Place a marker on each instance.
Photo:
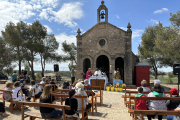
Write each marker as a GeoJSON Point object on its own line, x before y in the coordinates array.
{"type": "Point", "coordinates": [16, 91]}
{"type": "Point", "coordinates": [80, 91]}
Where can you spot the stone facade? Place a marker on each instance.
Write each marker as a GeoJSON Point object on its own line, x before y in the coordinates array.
{"type": "Point", "coordinates": [118, 43]}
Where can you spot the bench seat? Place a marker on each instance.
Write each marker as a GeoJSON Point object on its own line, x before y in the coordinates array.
{"type": "Point", "coordinates": [38, 115]}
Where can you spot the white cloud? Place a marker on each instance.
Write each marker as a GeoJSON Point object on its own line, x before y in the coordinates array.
{"type": "Point", "coordinates": [124, 28]}
{"type": "Point", "coordinates": [154, 21]}
{"type": "Point", "coordinates": [49, 30]}
{"type": "Point", "coordinates": [68, 13]}
{"type": "Point", "coordinates": [136, 33]}
{"type": "Point", "coordinates": [117, 16]}
{"type": "Point", "coordinates": [63, 36]}
{"type": "Point", "coordinates": [161, 10]}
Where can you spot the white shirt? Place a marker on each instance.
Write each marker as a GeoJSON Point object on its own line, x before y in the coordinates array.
{"type": "Point", "coordinates": [37, 89]}
{"type": "Point", "coordinates": [10, 78]}
{"type": "Point", "coordinates": [98, 73]}
{"type": "Point", "coordinates": [15, 92]}
{"type": "Point", "coordinates": [41, 86]}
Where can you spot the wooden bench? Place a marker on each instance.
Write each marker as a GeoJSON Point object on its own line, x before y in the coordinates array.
{"type": "Point", "coordinates": [93, 101]}
{"type": "Point", "coordinates": [33, 115]}
{"type": "Point", "coordinates": [127, 96]}
{"type": "Point", "coordinates": [145, 92]}
{"type": "Point", "coordinates": [76, 96]}
{"type": "Point", "coordinates": [11, 101]}
{"type": "Point", "coordinates": [153, 112]}
{"type": "Point", "coordinates": [98, 95]}
{"type": "Point", "coordinates": [130, 110]}
{"type": "Point", "coordinates": [54, 85]}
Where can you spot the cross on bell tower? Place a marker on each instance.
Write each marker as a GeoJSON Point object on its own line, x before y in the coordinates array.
{"type": "Point", "coordinates": [102, 12]}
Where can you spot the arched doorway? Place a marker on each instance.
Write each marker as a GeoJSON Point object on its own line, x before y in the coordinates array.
{"type": "Point", "coordinates": [119, 63]}
{"type": "Point", "coordinates": [86, 65]}
{"type": "Point", "coordinates": [102, 63]}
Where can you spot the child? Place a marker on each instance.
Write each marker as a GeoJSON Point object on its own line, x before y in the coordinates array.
{"type": "Point", "coordinates": [52, 82]}
{"type": "Point", "coordinates": [9, 86]}
{"type": "Point", "coordinates": [140, 104]}
{"type": "Point", "coordinates": [24, 88]}
{"type": "Point", "coordinates": [37, 91]}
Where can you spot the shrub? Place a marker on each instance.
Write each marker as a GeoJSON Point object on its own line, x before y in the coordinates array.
{"type": "Point", "coordinates": [38, 76]}
{"type": "Point", "coordinates": [169, 80]}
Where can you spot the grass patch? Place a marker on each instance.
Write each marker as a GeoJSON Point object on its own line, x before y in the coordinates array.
{"type": "Point", "coordinates": [163, 79]}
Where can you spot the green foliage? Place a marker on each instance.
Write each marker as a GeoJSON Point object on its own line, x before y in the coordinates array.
{"type": "Point", "coordinates": [147, 49]}
{"type": "Point", "coordinates": [73, 66]}
{"type": "Point", "coordinates": [161, 73]}
{"type": "Point", "coordinates": [38, 76]}
{"type": "Point", "coordinates": [9, 69]}
{"type": "Point", "coordinates": [63, 73]}
{"type": "Point", "coordinates": [29, 72]}
{"type": "Point", "coordinates": [70, 50]}
{"type": "Point", "coordinates": [169, 80]}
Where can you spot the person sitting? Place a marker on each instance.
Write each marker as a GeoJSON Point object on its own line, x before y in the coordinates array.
{"type": "Point", "coordinates": [172, 104]}
{"type": "Point", "coordinates": [73, 103]}
{"type": "Point", "coordinates": [52, 82]}
{"type": "Point", "coordinates": [27, 78]}
{"type": "Point", "coordinates": [34, 91]}
{"type": "Point", "coordinates": [157, 82]}
{"type": "Point", "coordinates": [66, 86]}
{"type": "Point", "coordinates": [173, 117]}
{"type": "Point", "coordinates": [74, 84]}
{"type": "Point", "coordinates": [25, 88]}
{"type": "Point", "coordinates": [86, 83]}
{"type": "Point", "coordinates": [21, 77]}
{"type": "Point", "coordinates": [140, 104]}
{"type": "Point", "coordinates": [47, 81]}
{"type": "Point", "coordinates": [156, 104]}
{"type": "Point", "coordinates": [6, 95]}
{"type": "Point", "coordinates": [144, 86]}
{"type": "Point", "coordinates": [42, 82]}
{"type": "Point", "coordinates": [2, 110]}
{"type": "Point", "coordinates": [46, 97]}
{"type": "Point", "coordinates": [80, 91]}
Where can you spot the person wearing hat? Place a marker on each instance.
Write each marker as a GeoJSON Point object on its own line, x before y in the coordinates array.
{"type": "Point", "coordinates": [157, 82]}
{"type": "Point", "coordinates": [80, 91]}
{"type": "Point", "coordinates": [172, 104]}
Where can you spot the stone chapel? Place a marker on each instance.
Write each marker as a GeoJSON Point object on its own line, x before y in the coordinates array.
{"type": "Point", "coordinates": [106, 47]}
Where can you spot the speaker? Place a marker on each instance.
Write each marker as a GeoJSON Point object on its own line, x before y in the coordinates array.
{"type": "Point", "coordinates": [56, 67]}
{"type": "Point", "coordinates": [176, 69]}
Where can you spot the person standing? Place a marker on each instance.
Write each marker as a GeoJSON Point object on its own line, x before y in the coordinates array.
{"type": "Point", "coordinates": [25, 72]}
{"type": "Point", "coordinates": [14, 76]}
{"type": "Point", "coordinates": [72, 75]}
{"type": "Point", "coordinates": [88, 73]}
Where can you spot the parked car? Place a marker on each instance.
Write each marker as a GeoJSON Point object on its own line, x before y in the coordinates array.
{"type": "Point", "coordinates": [2, 76]}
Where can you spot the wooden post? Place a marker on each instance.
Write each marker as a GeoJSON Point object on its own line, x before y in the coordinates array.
{"type": "Point", "coordinates": [64, 115]}
{"type": "Point", "coordinates": [22, 111]}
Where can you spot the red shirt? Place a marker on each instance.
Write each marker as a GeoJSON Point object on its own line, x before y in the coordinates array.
{"type": "Point", "coordinates": [141, 104]}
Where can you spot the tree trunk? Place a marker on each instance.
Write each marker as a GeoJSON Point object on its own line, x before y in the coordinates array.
{"type": "Point", "coordinates": [42, 74]}
{"type": "Point", "coordinates": [19, 60]}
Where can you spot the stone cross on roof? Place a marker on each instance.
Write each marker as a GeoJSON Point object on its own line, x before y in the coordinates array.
{"type": "Point", "coordinates": [102, 2]}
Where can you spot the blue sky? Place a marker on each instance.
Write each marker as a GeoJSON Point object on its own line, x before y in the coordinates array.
{"type": "Point", "coordinates": [64, 17]}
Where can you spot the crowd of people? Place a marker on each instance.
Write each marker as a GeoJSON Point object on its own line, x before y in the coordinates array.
{"type": "Point", "coordinates": [157, 91]}
{"type": "Point", "coordinates": [24, 76]}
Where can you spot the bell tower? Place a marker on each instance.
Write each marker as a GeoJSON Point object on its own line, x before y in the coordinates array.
{"type": "Point", "coordinates": [102, 13]}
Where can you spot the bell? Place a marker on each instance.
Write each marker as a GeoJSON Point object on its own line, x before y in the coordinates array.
{"type": "Point", "coordinates": [102, 15]}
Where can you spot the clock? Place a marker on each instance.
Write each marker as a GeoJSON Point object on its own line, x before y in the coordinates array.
{"type": "Point", "coordinates": [102, 42]}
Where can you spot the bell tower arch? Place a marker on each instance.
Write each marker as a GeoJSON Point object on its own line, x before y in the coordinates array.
{"type": "Point", "coordinates": [101, 12]}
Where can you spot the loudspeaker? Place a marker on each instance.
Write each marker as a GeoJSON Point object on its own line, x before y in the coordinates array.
{"type": "Point", "coordinates": [56, 67]}
{"type": "Point", "coordinates": [176, 69]}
